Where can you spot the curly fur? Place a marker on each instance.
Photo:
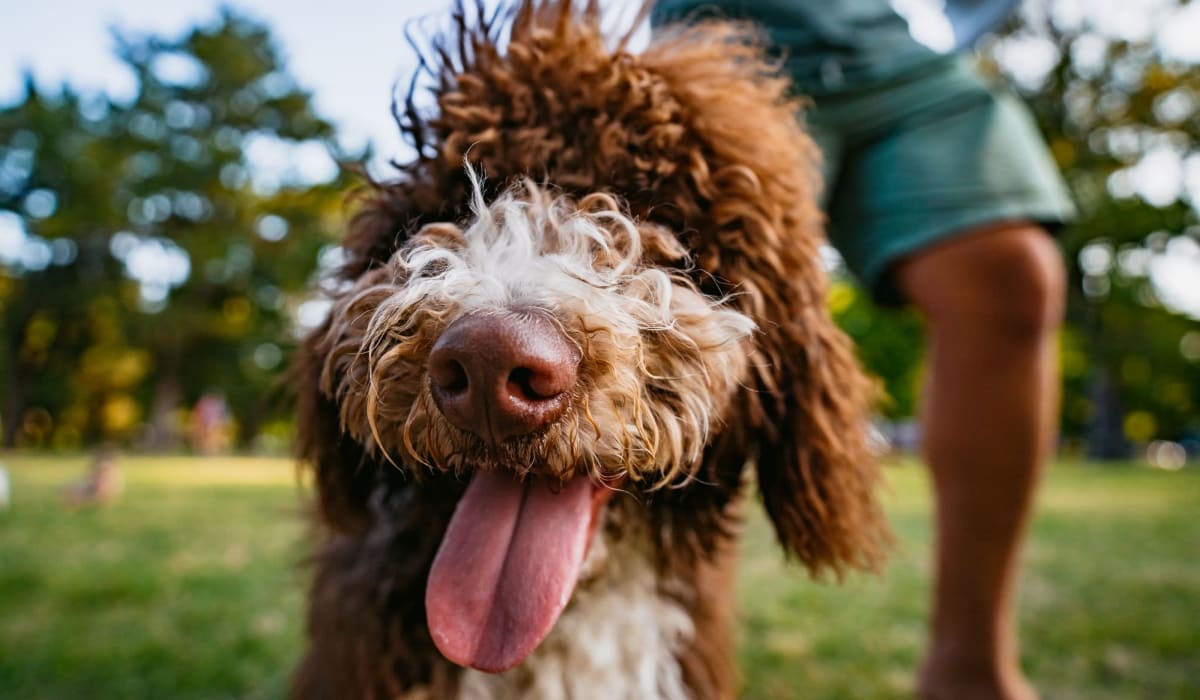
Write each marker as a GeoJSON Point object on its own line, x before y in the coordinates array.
{"type": "Point", "coordinates": [659, 208]}
{"type": "Point", "coordinates": [660, 356]}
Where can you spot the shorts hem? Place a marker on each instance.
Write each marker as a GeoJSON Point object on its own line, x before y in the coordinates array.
{"type": "Point", "coordinates": [875, 274]}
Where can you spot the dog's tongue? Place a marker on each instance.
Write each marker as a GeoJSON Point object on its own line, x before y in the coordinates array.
{"type": "Point", "coordinates": [507, 567]}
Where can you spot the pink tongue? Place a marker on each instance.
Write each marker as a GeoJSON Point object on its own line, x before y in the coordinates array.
{"type": "Point", "coordinates": [506, 568]}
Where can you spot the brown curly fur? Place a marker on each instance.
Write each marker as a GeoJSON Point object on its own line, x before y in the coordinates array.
{"type": "Point", "coordinates": [698, 142]}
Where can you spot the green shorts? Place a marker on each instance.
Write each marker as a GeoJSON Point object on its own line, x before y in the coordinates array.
{"type": "Point", "coordinates": [912, 162]}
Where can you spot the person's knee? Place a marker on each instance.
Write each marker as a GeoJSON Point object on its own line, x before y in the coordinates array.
{"type": "Point", "coordinates": [1010, 279]}
{"type": "Point", "coordinates": [1027, 287]}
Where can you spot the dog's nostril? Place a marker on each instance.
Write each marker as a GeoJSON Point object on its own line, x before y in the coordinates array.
{"type": "Point", "coordinates": [456, 379]}
{"type": "Point", "coordinates": [546, 380]}
{"type": "Point", "coordinates": [518, 383]}
{"type": "Point", "coordinates": [533, 386]}
{"type": "Point", "coordinates": [450, 376]}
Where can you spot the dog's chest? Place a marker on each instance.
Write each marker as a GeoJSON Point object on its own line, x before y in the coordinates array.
{"type": "Point", "coordinates": [619, 639]}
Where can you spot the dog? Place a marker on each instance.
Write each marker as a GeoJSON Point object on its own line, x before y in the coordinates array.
{"type": "Point", "coordinates": [562, 338]}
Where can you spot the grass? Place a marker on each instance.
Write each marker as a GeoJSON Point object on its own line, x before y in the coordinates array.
{"type": "Point", "coordinates": [187, 588]}
{"type": "Point", "coordinates": [1110, 606]}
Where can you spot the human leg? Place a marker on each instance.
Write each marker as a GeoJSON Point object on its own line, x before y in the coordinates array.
{"type": "Point", "coordinates": [993, 301]}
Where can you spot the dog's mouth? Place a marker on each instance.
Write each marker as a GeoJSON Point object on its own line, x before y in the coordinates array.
{"type": "Point", "coordinates": [508, 565]}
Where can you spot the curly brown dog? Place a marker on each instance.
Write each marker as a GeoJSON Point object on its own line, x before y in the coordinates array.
{"type": "Point", "coordinates": [531, 409]}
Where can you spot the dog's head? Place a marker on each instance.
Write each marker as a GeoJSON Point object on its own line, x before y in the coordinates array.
{"type": "Point", "coordinates": [548, 351]}
{"type": "Point", "coordinates": [648, 320]}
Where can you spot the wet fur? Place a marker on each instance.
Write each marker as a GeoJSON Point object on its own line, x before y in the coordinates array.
{"type": "Point", "coordinates": [677, 187]}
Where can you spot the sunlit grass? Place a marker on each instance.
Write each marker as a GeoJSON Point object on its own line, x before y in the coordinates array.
{"type": "Point", "coordinates": [1110, 605]}
{"type": "Point", "coordinates": [144, 470]}
{"type": "Point", "coordinates": [184, 588]}
{"type": "Point", "coordinates": [187, 587]}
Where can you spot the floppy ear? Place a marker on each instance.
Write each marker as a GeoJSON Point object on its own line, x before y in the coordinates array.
{"type": "Point", "coordinates": [343, 472]}
{"type": "Point", "coordinates": [385, 215]}
{"type": "Point", "coordinates": [366, 619]}
{"type": "Point", "coordinates": [816, 474]}
{"type": "Point", "coordinates": [749, 205]}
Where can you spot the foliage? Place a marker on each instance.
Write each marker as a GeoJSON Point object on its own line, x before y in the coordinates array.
{"type": "Point", "coordinates": [1119, 108]}
{"type": "Point", "coordinates": [186, 587]}
{"type": "Point", "coordinates": [151, 253]}
{"type": "Point", "coordinates": [890, 345]}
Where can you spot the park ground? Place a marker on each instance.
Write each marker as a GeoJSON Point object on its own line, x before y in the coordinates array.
{"type": "Point", "coordinates": [190, 586]}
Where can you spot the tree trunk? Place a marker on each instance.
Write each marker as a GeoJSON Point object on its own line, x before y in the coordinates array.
{"type": "Point", "coordinates": [1106, 433]}
{"type": "Point", "coordinates": [162, 434]}
{"type": "Point", "coordinates": [15, 393]}
{"type": "Point", "coordinates": [14, 404]}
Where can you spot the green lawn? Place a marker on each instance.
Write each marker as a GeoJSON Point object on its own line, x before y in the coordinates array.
{"type": "Point", "coordinates": [187, 588]}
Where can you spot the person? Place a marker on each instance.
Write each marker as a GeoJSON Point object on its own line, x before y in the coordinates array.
{"type": "Point", "coordinates": [5, 488]}
{"type": "Point", "coordinates": [210, 424]}
{"type": "Point", "coordinates": [940, 193]}
{"type": "Point", "coordinates": [102, 483]}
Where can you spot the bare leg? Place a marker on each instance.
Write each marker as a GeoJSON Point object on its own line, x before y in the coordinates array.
{"type": "Point", "coordinates": [993, 301]}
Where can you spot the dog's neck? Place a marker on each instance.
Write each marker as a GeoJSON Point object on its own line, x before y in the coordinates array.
{"type": "Point", "coordinates": [620, 637]}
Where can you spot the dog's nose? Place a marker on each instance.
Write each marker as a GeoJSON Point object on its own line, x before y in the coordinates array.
{"type": "Point", "coordinates": [500, 376]}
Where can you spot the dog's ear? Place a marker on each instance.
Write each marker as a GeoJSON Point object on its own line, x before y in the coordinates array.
{"type": "Point", "coordinates": [747, 202]}
{"type": "Point", "coordinates": [385, 215]}
{"type": "Point", "coordinates": [816, 473]}
{"type": "Point", "coordinates": [807, 424]}
{"type": "Point", "coordinates": [343, 473]}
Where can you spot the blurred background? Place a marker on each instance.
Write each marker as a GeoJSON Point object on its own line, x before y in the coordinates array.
{"type": "Point", "coordinates": [173, 181]}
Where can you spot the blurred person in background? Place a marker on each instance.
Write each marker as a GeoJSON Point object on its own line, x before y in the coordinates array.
{"type": "Point", "coordinates": [211, 425]}
{"type": "Point", "coordinates": [5, 488]}
{"type": "Point", "coordinates": [102, 483]}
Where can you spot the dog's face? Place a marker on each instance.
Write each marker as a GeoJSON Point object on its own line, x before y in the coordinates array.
{"type": "Point", "coordinates": [546, 337]}
{"type": "Point", "coordinates": [548, 351]}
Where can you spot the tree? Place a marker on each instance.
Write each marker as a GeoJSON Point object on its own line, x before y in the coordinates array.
{"type": "Point", "coordinates": [162, 248]}
{"type": "Point", "coordinates": [1117, 100]}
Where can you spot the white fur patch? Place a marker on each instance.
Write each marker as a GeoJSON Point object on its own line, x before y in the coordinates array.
{"type": "Point", "coordinates": [619, 639]}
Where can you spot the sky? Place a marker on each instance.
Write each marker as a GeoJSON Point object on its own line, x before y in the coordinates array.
{"type": "Point", "coordinates": [352, 55]}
